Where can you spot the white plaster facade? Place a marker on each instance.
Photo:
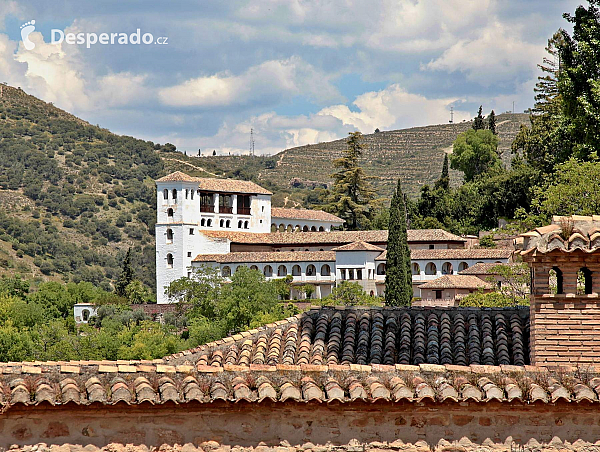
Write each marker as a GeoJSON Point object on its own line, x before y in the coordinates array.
{"type": "Point", "coordinates": [83, 311]}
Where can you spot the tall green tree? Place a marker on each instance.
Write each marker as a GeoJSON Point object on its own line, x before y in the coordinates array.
{"type": "Point", "coordinates": [475, 152]}
{"type": "Point", "coordinates": [478, 123]}
{"type": "Point", "coordinates": [444, 181]}
{"type": "Point", "coordinates": [492, 122]}
{"type": "Point", "coordinates": [398, 278]}
{"type": "Point", "coordinates": [126, 277]}
{"type": "Point", "coordinates": [353, 197]}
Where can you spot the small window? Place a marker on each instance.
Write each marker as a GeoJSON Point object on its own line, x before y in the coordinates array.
{"type": "Point", "coordinates": [174, 195]}
{"type": "Point", "coordinates": [170, 213]}
{"type": "Point", "coordinates": [221, 223]}
{"type": "Point", "coordinates": [191, 194]}
{"type": "Point", "coordinates": [246, 224]}
{"type": "Point", "coordinates": [169, 235]}
{"type": "Point", "coordinates": [165, 194]}
{"type": "Point", "coordinates": [189, 275]}
{"type": "Point", "coordinates": [228, 224]}
{"type": "Point", "coordinates": [86, 315]}
{"type": "Point", "coordinates": [189, 254]}
{"type": "Point", "coordinates": [431, 247]}
{"type": "Point", "coordinates": [191, 231]}
{"type": "Point", "coordinates": [187, 192]}
{"type": "Point", "coordinates": [169, 260]}
{"type": "Point", "coordinates": [208, 223]}
{"type": "Point", "coordinates": [263, 209]}
{"type": "Point", "coordinates": [438, 294]}
{"type": "Point", "coordinates": [203, 222]}
{"type": "Point", "coordinates": [240, 224]}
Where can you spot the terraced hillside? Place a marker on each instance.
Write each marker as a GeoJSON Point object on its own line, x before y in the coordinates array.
{"type": "Point", "coordinates": [414, 154]}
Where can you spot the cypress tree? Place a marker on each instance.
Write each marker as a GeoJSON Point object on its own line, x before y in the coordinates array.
{"type": "Point", "coordinates": [398, 278]}
{"type": "Point", "coordinates": [492, 122]}
{"type": "Point", "coordinates": [127, 275]}
{"type": "Point", "coordinates": [444, 181]}
{"type": "Point", "coordinates": [478, 124]}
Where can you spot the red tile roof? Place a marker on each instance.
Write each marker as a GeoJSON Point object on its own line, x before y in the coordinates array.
{"type": "Point", "coordinates": [455, 253]}
{"type": "Point", "coordinates": [483, 268]}
{"type": "Point", "coordinates": [358, 246]}
{"type": "Point", "coordinates": [457, 282]}
{"type": "Point", "coordinates": [256, 257]}
{"type": "Point", "coordinates": [304, 214]}
{"type": "Point", "coordinates": [217, 185]}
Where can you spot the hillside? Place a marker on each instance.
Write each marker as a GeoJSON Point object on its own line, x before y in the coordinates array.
{"type": "Point", "coordinates": [74, 196]}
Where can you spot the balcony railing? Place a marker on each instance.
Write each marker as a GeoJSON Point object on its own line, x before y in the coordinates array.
{"type": "Point", "coordinates": [243, 210]}
{"type": "Point", "coordinates": [223, 209]}
{"type": "Point", "coordinates": [208, 208]}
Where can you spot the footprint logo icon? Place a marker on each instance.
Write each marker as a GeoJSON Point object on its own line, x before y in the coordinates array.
{"type": "Point", "coordinates": [26, 29]}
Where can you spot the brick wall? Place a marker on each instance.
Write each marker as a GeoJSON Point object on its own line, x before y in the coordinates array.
{"type": "Point", "coordinates": [565, 327]}
{"type": "Point", "coordinates": [355, 427]}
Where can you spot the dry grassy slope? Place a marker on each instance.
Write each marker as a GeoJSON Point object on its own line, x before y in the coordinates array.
{"type": "Point", "coordinates": [414, 154]}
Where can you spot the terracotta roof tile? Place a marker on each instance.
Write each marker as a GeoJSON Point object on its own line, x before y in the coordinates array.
{"type": "Point", "coordinates": [475, 253]}
{"type": "Point", "coordinates": [284, 256]}
{"type": "Point", "coordinates": [456, 282]}
{"type": "Point", "coordinates": [358, 246]}
{"type": "Point", "coordinates": [483, 268]}
{"type": "Point", "coordinates": [304, 214]}
{"type": "Point", "coordinates": [583, 234]}
{"type": "Point", "coordinates": [217, 185]}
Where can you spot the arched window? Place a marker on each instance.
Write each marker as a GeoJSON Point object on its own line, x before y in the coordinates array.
{"type": "Point", "coordinates": [253, 267]}
{"type": "Point", "coordinates": [313, 229]}
{"type": "Point", "coordinates": [226, 272]}
{"type": "Point", "coordinates": [174, 195]}
{"type": "Point", "coordinates": [325, 270]}
{"type": "Point", "coordinates": [191, 194]}
{"type": "Point", "coordinates": [555, 280]}
{"type": "Point", "coordinates": [282, 227]}
{"type": "Point", "coordinates": [85, 315]}
{"type": "Point", "coordinates": [169, 260]}
{"type": "Point", "coordinates": [447, 268]}
{"type": "Point", "coordinates": [240, 223]}
{"type": "Point", "coordinates": [584, 281]}
{"type": "Point", "coordinates": [209, 223]}
{"type": "Point", "coordinates": [268, 271]}
{"type": "Point", "coordinates": [165, 194]}
{"type": "Point", "coordinates": [311, 270]}
{"type": "Point", "coordinates": [322, 229]}
{"type": "Point", "coordinates": [289, 228]}
{"type": "Point", "coordinates": [282, 270]}
{"type": "Point", "coordinates": [187, 192]}
{"type": "Point", "coordinates": [430, 269]}
{"type": "Point", "coordinates": [203, 222]}
{"type": "Point", "coordinates": [371, 294]}
{"type": "Point", "coordinates": [273, 227]}
{"type": "Point", "coordinates": [170, 213]}
{"type": "Point", "coordinates": [228, 224]}
{"type": "Point", "coordinates": [416, 270]}
{"type": "Point", "coordinates": [296, 271]}
{"type": "Point", "coordinates": [246, 224]}
{"type": "Point", "coordinates": [381, 269]}
{"type": "Point", "coordinates": [169, 235]}
{"type": "Point", "coordinates": [297, 228]}
{"type": "Point", "coordinates": [221, 223]}
{"type": "Point", "coordinates": [305, 229]}
{"type": "Point", "coordinates": [462, 266]}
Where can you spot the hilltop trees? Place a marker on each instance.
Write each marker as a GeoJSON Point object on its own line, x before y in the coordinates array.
{"type": "Point", "coordinates": [492, 122]}
{"type": "Point", "coordinates": [478, 123]}
{"type": "Point", "coordinates": [398, 278]}
{"type": "Point", "coordinates": [353, 197]}
{"type": "Point", "coordinates": [475, 152]}
{"type": "Point", "coordinates": [444, 181]}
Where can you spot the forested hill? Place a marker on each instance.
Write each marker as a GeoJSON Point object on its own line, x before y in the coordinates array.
{"type": "Point", "coordinates": [74, 196]}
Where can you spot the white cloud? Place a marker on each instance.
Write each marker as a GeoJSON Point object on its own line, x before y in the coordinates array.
{"type": "Point", "coordinates": [275, 79]}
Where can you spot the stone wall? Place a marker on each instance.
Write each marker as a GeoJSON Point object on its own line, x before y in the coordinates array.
{"type": "Point", "coordinates": [291, 426]}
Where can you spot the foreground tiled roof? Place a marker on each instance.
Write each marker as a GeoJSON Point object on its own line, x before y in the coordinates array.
{"type": "Point", "coordinates": [457, 282]}
{"type": "Point", "coordinates": [217, 185]}
{"type": "Point", "coordinates": [388, 336]}
{"type": "Point", "coordinates": [564, 234]}
{"type": "Point", "coordinates": [304, 214]}
{"type": "Point", "coordinates": [146, 383]}
{"type": "Point", "coordinates": [285, 256]}
{"type": "Point", "coordinates": [358, 246]}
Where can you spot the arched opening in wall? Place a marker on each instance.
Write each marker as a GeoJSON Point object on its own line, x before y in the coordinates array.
{"type": "Point", "coordinates": [325, 270]}
{"type": "Point", "coordinates": [85, 315]}
{"type": "Point", "coordinates": [430, 269]}
{"type": "Point", "coordinates": [253, 267]}
{"type": "Point", "coordinates": [282, 227]}
{"type": "Point", "coordinates": [584, 281]}
{"type": "Point", "coordinates": [297, 228]}
{"type": "Point", "coordinates": [289, 228]}
{"type": "Point", "coordinates": [246, 224]}
{"type": "Point", "coordinates": [282, 270]}
{"type": "Point", "coordinates": [209, 223]}
{"type": "Point", "coordinates": [187, 193]}
{"type": "Point", "coordinates": [311, 270]}
{"type": "Point", "coordinates": [268, 271]}
{"type": "Point", "coordinates": [305, 229]}
{"type": "Point", "coordinates": [221, 223]}
{"type": "Point", "coordinates": [447, 268]}
{"type": "Point", "coordinates": [322, 229]}
{"type": "Point", "coordinates": [359, 274]}
{"type": "Point", "coordinates": [240, 223]}
{"type": "Point", "coordinates": [165, 194]}
{"type": "Point", "coordinates": [169, 260]}
{"type": "Point", "coordinates": [174, 195]}
{"type": "Point", "coordinates": [170, 213]}
{"type": "Point", "coordinates": [226, 272]}
{"type": "Point", "coordinates": [228, 224]}
{"type": "Point", "coordinates": [192, 194]}
{"type": "Point", "coordinates": [313, 229]}
{"type": "Point", "coordinates": [296, 271]}
{"type": "Point", "coordinates": [371, 294]}
{"type": "Point", "coordinates": [462, 266]}
{"type": "Point", "coordinates": [273, 227]}
{"type": "Point", "coordinates": [416, 270]}
{"type": "Point", "coordinates": [169, 235]}
{"type": "Point", "coordinates": [203, 222]}
{"type": "Point", "coordinates": [381, 269]}
{"type": "Point", "coordinates": [555, 280]}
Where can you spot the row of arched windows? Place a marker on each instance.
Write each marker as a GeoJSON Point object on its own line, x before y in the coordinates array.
{"type": "Point", "coordinates": [166, 194]}
{"type": "Point", "coordinates": [282, 270]}
{"type": "Point", "coordinates": [290, 228]}
{"type": "Point", "coordinates": [584, 281]}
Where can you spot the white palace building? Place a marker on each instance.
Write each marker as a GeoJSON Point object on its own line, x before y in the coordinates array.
{"type": "Point", "coordinates": [228, 223]}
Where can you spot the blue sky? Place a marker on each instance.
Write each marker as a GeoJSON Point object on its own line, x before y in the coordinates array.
{"type": "Point", "coordinates": [296, 71]}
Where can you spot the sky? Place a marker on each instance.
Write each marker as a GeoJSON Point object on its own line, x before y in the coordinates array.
{"type": "Point", "coordinates": [296, 72]}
